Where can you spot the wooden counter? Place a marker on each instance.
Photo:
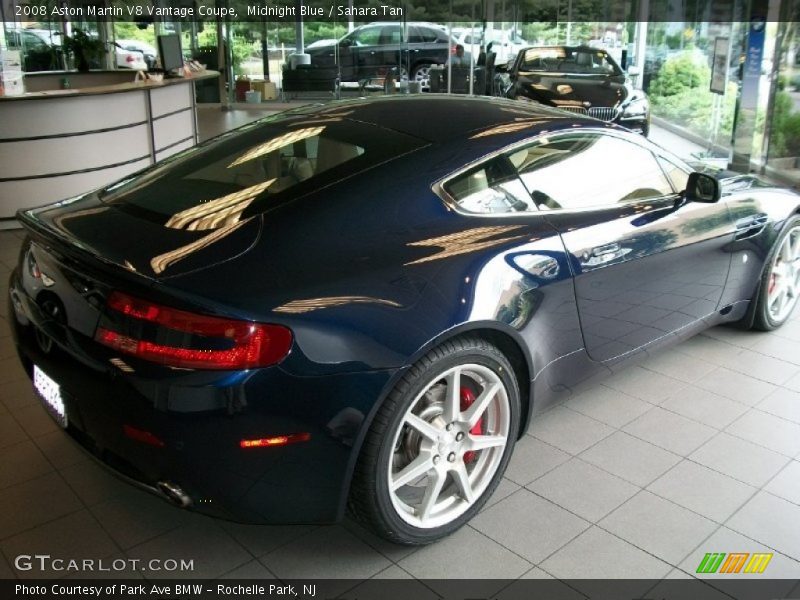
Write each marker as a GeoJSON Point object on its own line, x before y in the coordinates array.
{"type": "Point", "coordinates": [55, 144]}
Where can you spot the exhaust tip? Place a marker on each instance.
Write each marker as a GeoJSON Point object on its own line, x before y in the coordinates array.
{"type": "Point", "coordinates": [174, 493]}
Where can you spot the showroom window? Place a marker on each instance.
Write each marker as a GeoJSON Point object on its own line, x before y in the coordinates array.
{"type": "Point", "coordinates": [572, 172]}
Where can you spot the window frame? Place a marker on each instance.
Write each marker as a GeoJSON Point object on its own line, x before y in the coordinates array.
{"type": "Point", "coordinates": [450, 202]}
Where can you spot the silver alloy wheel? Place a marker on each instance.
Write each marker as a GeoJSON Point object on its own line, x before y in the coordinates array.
{"type": "Point", "coordinates": [447, 453]}
{"type": "Point", "coordinates": [422, 75]}
{"type": "Point", "coordinates": [784, 281]}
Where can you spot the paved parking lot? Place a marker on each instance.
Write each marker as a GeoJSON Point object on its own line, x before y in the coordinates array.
{"type": "Point", "coordinates": [694, 451]}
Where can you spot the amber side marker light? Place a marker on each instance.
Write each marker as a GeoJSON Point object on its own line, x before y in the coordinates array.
{"type": "Point", "coordinates": [278, 440]}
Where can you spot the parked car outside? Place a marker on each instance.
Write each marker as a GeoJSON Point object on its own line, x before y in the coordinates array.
{"type": "Point", "coordinates": [367, 302]}
{"type": "Point", "coordinates": [129, 59]}
{"type": "Point", "coordinates": [41, 48]}
{"type": "Point", "coordinates": [372, 50]}
{"type": "Point", "coordinates": [323, 42]}
{"type": "Point", "coordinates": [578, 79]}
{"type": "Point", "coordinates": [136, 47]}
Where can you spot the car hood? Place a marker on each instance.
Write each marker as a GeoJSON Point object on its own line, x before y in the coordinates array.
{"type": "Point", "coordinates": [129, 240]}
{"type": "Point", "coordinates": [564, 90]}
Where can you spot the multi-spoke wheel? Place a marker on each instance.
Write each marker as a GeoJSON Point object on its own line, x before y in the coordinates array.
{"type": "Point", "coordinates": [780, 287]}
{"type": "Point", "coordinates": [422, 75]}
{"type": "Point", "coordinates": [439, 444]}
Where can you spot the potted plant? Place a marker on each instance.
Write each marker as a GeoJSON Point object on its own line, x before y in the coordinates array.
{"type": "Point", "coordinates": [83, 48]}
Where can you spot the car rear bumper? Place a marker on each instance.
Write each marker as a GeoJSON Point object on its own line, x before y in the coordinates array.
{"type": "Point", "coordinates": [194, 423]}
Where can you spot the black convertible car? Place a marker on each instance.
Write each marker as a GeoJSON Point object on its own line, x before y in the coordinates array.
{"type": "Point", "coordinates": [578, 79]}
{"type": "Point", "coordinates": [366, 302]}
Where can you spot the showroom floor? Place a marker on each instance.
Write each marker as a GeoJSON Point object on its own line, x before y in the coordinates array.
{"type": "Point", "coordinates": [695, 451]}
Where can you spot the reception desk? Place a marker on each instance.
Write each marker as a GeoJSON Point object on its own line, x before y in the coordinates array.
{"type": "Point", "coordinates": [57, 143]}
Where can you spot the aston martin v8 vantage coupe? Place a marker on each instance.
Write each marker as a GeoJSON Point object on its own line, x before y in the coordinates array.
{"type": "Point", "coordinates": [365, 303]}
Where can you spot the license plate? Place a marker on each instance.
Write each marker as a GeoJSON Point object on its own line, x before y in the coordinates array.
{"type": "Point", "coordinates": [50, 393]}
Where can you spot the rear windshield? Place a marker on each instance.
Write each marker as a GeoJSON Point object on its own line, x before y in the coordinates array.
{"type": "Point", "coordinates": [250, 172]}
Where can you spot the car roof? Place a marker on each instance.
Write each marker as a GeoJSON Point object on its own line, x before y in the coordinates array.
{"type": "Point", "coordinates": [440, 118]}
{"type": "Point", "coordinates": [409, 24]}
{"type": "Point", "coordinates": [573, 48]}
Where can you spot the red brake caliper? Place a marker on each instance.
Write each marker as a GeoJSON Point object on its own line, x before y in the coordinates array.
{"type": "Point", "coordinates": [467, 398]}
{"type": "Point", "coordinates": [773, 280]}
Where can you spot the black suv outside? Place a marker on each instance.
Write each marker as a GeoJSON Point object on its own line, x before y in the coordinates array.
{"type": "Point", "coordinates": [372, 50]}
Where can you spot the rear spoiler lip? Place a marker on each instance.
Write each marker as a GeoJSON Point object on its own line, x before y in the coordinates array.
{"type": "Point", "coordinates": [51, 237]}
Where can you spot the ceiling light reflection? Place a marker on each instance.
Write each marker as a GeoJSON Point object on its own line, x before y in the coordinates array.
{"type": "Point", "coordinates": [220, 212]}
{"type": "Point", "coordinates": [296, 307]}
{"type": "Point", "coordinates": [467, 241]}
{"type": "Point", "coordinates": [276, 143]}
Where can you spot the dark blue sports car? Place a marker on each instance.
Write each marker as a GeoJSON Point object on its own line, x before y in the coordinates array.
{"type": "Point", "coordinates": [364, 303]}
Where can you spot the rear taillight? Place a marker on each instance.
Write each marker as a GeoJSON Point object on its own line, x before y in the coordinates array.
{"type": "Point", "coordinates": [452, 50]}
{"type": "Point", "coordinates": [130, 58]}
{"type": "Point", "coordinates": [245, 345]}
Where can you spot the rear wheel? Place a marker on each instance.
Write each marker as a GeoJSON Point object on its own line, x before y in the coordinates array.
{"type": "Point", "coordinates": [780, 285]}
{"type": "Point", "coordinates": [439, 444]}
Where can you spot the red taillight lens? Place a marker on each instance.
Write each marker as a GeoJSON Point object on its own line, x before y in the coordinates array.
{"type": "Point", "coordinates": [248, 345]}
{"type": "Point", "coordinates": [130, 58]}
{"type": "Point", "coordinates": [452, 50]}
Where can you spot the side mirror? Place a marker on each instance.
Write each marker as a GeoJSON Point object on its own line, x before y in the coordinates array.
{"type": "Point", "coordinates": [702, 188]}
{"type": "Point", "coordinates": [346, 42]}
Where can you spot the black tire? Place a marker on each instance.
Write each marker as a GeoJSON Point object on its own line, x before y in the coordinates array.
{"type": "Point", "coordinates": [763, 320]}
{"type": "Point", "coordinates": [370, 500]}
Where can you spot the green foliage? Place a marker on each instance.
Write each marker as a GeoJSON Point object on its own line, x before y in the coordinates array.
{"type": "Point", "coordinates": [680, 93]}
{"type": "Point", "coordinates": [129, 31]}
{"type": "Point", "coordinates": [681, 72]}
{"type": "Point", "coordinates": [785, 133]}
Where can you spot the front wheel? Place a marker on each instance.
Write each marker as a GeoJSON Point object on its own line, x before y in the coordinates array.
{"type": "Point", "coordinates": [439, 444]}
{"type": "Point", "coordinates": [780, 285]}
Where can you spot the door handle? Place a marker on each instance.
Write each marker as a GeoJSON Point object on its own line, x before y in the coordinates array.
{"type": "Point", "coordinates": [750, 226]}
{"type": "Point", "coordinates": [612, 248]}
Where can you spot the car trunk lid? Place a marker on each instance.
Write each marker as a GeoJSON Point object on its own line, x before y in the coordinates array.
{"type": "Point", "coordinates": [118, 236]}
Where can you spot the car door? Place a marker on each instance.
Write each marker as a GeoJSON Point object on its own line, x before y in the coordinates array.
{"type": "Point", "coordinates": [346, 53]}
{"type": "Point", "coordinates": [388, 54]}
{"type": "Point", "coordinates": [361, 54]}
{"type": "Point", "coordinates": [647, 265]}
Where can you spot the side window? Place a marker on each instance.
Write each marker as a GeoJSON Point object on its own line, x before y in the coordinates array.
{"type": "Point", "coordinates": [588, 169]}
{"type": "Point", "coordinates": [491, 188]}
{"type": "Point", "coordinates": [677, 176]}
{"type": "Point", "coordinates": [33, 42]}
{"type": "Point", "coordinates": [390, 34]}
{"type": "Point", "coordinates": [368, 36]}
